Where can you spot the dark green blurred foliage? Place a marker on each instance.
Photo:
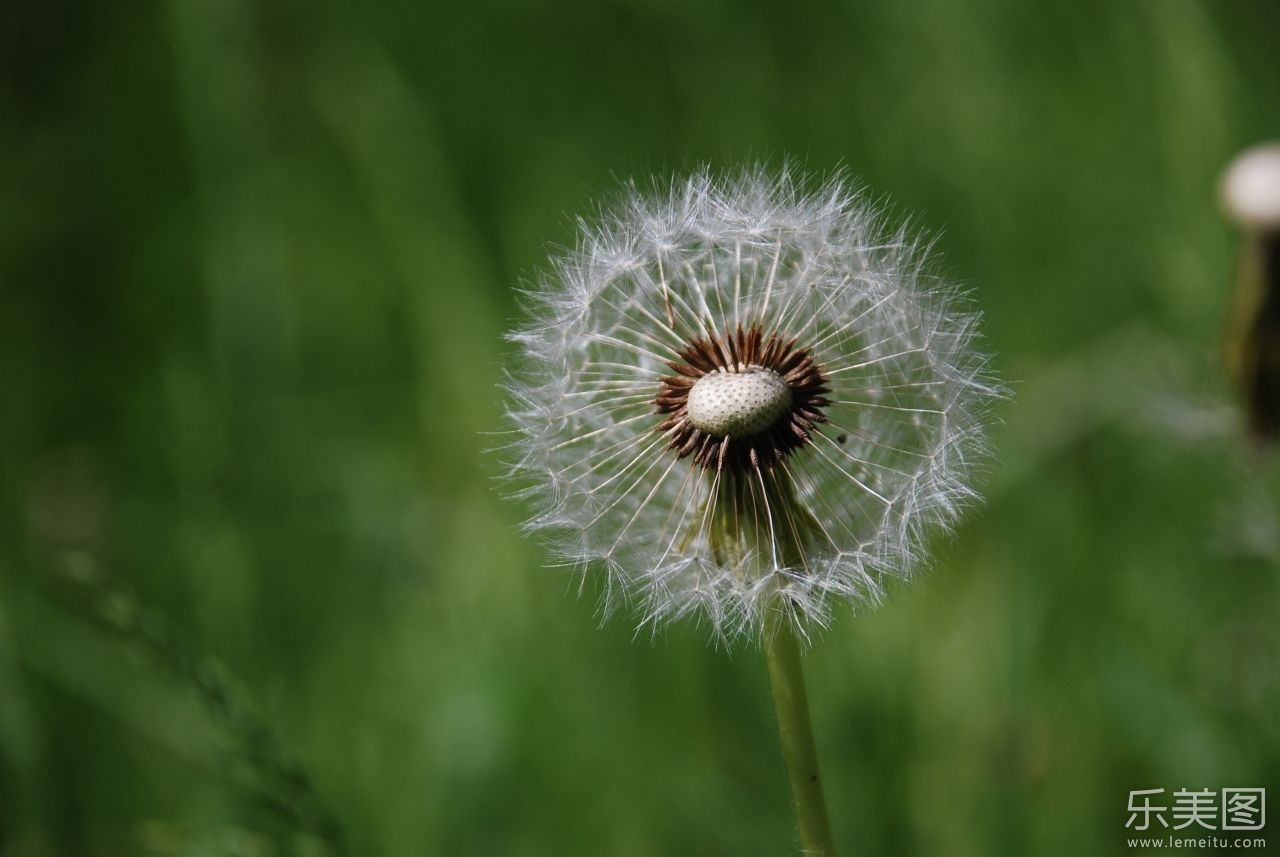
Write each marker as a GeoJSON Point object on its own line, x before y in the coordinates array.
{"type": "Point", "coordinates": [255, 264]}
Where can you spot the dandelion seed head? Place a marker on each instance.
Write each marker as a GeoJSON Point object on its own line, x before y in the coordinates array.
{"type": "Point", "coordinates": [735, 398]}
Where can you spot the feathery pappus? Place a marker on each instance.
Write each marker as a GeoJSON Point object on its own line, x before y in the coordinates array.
{"type": "Point", "coordinates": [736, 397]}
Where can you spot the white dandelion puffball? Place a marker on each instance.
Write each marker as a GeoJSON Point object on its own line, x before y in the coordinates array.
{"type": "Point", "coordinates": [740, 400]}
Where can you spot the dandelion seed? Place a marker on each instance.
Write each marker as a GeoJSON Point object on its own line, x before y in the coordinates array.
{"type": "Point", "coordinates": [739, 399]}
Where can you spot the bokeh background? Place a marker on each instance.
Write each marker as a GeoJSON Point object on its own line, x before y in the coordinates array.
{"type": "Point", "coordinates": [259, 594]}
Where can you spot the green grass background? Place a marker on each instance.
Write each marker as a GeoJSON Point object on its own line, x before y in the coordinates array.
{"type": "Point", "coordinates": [256, 582]}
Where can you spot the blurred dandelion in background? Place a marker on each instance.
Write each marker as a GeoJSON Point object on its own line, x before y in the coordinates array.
{"type": "Point", "coordinates": [1251, 199]}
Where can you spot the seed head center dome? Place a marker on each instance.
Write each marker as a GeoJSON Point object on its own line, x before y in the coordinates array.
{"type": "Point", "coordinates": [738, 404]}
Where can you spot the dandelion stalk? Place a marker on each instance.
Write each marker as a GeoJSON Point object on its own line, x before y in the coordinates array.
{"type": "Point", "coordinates": [791, 702]}
{"type": "Point", "coordinates": [784, 545]}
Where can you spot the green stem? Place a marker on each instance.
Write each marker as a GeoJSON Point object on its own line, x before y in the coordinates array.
{"type": "Point", "coordinates": [736, 536]}
{"type": "Point", "coordinates": [782, 651]}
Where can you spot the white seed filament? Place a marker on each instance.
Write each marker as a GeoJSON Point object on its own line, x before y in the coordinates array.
{"type": "Point", "coordinates": [738, 404]}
